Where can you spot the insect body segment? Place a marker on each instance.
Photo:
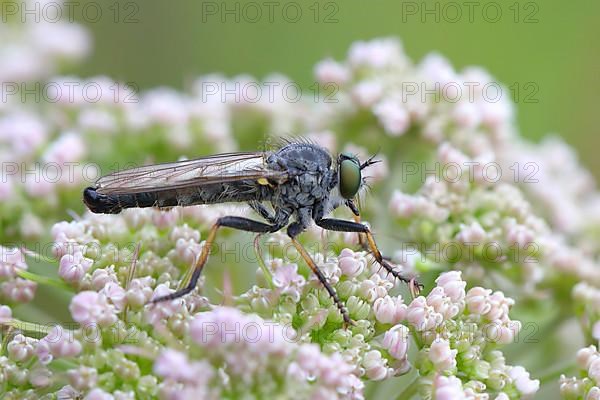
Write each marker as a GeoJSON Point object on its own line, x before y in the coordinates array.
{"type": "Point", "coordinates": [301, 182]}
{"type": "Point", "coordinates": [100, 201]}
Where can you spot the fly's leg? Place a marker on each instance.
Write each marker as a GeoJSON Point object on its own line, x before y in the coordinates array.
{"type": "Point", "coordinates": [315, 269]}
{"type": "Point", "coordinates": [240, 223]}
{"type": "Point", "coordinates": [294, 230]}
{"type": "Point", "coordinates": [341, 225]}
{"type": "Point", "coordinates": [356, 215]}
{"type": "Point", "coordinates": [364, 244]}
{"type": "Point", "coordinates": [361, 238]}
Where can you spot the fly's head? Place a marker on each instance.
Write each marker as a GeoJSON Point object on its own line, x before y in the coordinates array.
{"type": "Point", "coordinates": [350, 179]}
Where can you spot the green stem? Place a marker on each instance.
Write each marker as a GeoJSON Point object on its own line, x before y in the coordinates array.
{"type": "Point", "coordinates": [29, 326]}
{"type": "Point", "coordinates": [63, 364]}
{"type": "Point", "coordinates": [410, 390]}
{"type": "Point", "coordinates": [30, 253]}
{"type": "Point", "coordinates": [553, 373]}
{"type": "Point", "coordinates": [416, 338]}
{"type": "Point", "coordinates": [5, 341]}
{"type": "Point", "coordinates": [43, 280]}
{"type": "Point", "coordinates": [261, 263]}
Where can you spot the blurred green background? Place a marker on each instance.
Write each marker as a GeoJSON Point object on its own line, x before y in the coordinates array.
{"type": "Point", "coordinates": [552, 44]}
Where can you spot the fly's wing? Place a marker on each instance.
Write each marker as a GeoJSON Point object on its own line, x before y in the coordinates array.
{"type": "Point", "coordinates": [191, 173]}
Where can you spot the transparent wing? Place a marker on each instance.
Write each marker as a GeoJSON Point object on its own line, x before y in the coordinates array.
{"type": "Point", "coordinates": [201, 171]}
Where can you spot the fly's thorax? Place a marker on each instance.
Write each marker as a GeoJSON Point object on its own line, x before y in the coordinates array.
{"type": "Point", "coordinates": [303, 190]}
{"type": "Point", "coordinates": [308, 167]}
{"type": "Point", "coordinates": [302, 156]}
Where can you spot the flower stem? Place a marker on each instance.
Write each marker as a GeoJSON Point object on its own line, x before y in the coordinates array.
{"type": "Point", "coordinates": [261, 262]}
{"type": "Point", "coordinates": [43, 280]}
{"type": "Point", "coordinates": [410, 390]}
{"type": "Point", "coordinates": [37, 256]}
{"type": "Point", "coordinates": [29, 326]}
{"type": "Point", "coordinates": [552, 373]}
{"type": "Point", "coordinates": [64, 365]}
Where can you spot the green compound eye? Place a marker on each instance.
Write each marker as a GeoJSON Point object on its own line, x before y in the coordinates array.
{"type": "Point", "coordinates": [350, 178]}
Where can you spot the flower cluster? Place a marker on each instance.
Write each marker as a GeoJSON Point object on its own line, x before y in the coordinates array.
{"type": "Point", "coordinates": [476, 207]}
{"type": "Point", "coordinates": [290, 341]}
{"type": "Point", "coordinates": [460, 331]}
{"type": "Point", "coordinates": [13, 287]}
{"type": "Point", "coordinates": [587, 386]}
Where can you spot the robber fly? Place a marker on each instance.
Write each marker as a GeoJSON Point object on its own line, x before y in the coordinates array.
{"type": "Point", "coordinates": [300, 180]}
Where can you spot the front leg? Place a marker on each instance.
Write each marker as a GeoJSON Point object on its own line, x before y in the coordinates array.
{"type": "Point", "coordinates": [341, 225]}
{"type": "Point", "coordinates": [356, 216]}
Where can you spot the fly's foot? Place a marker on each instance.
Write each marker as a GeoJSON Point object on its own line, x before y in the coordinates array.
{"type": "Point", "coordinates": [415, 287]}
{"type": "Point", "coordinates": [348, 322]}
{"type": "Point", "coordinates": [413, 284]}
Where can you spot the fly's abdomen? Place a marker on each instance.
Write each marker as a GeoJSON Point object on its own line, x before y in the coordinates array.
{"type": "Point", "coordinates": [101, 203]}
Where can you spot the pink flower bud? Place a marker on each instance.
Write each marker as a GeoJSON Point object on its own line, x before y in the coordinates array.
{"type": "Point", "coordinates": [442, 304]}
{"type": "Point", "coordinates": [367, 93]}
{"type": "Point", "coordinates": [393, 116]}
{"type": "Point", "coordinates": [115, 294]}
{"type": "Point", "coordinates": [159, 312]}
{"type": "Point", "coordinates": [67, 148]}
{"type": "Point", "coordinates": [377, 53]}
{"type": "Point", "coordinates": [586, 356]}
{"type": "Point", "coordinates": [594, 370]}
{"type": "Point", "coordinates": [375, 366]}
{"type": "Point", "coordinates": [593, 394]}
{"type": "Point", "coordinates": [139, 292]}
{"type": "Point", "coordinates": [374, 288]}
{"type": "Point", "coordinates": [83, 377]}
{"type": "Point", "coordinates": [441, 355]}
{"type": "Point", "coordinates": [352, 263]}
{"type": "Point", "coordinates": [437, 69]}
{"type": "Point", "coordinates": [98, 394]}
{"type": "Point", "coordinates": [58, 343]}
{"type": "Point", "coordinates": [188, 250]}
{"type": "Point", "coordinates": [102, 276]}
{"type": "Point", "coordinates": [330, 71]}
{"type": "Point", "coordinates": [526, 386]}
{"type": "Point", "coordinates": [466, 115]}
{"type": "Point", "coordinates": [473, 234]}
{"type": "Point", "coordinates": [11, 259]}
{"type": "Point", "coordinates": [288, 282]}
{"type": "Point", "coordinates": [89, 307]}
{"type": "Point", "coordinates": [19, 290]}
{"type": "Point", "coordinates": [447, 388]}
{"type": "Point", "coordinates": [422, 316]}
{"type": "Point", "coordinates": [519, 235]}
{"type": "Point", "coordinates": [171, 364]}
{"type": "Point", "coordinates": [20, 348]}
{"type": "Point", "coordinates": [389, 310]}
{"type": "Point", "coordinates": [5, 314]}
{"type": "Point", "coordinates": [477, 300]}
{"type": "Point", "coordinates": [395, 341]}
{"type": "Point", "coordinates": [72, 267]}
{"type": "Point", "coordinates": [165, 219]}
{"type": "Point", "coordinates": [453, 285]}
{"type": "Point", "coordinates": [40, 377]}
